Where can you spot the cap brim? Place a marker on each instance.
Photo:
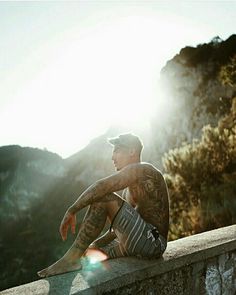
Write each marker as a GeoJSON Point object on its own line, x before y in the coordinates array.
{"type": "Point", "coordinates": [114, 141]}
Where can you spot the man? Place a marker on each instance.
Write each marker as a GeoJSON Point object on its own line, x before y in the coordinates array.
{"type": "Point", "coordinates": [139, 220]}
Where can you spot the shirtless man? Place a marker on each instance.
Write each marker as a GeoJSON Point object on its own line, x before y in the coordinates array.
{"type": "Point", "coordinates": [139, 220]}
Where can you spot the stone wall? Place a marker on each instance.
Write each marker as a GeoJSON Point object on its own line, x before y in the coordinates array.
{"type": "Point", "coordinates": [215, 276]}
{"type": "Point", "coordinates": [201, 264]}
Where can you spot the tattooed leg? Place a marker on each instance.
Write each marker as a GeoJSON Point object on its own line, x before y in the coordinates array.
{"type": "Point", "coordinates": [91, 227]}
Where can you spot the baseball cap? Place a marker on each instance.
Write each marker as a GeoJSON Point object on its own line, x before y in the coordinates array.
{"type": "Point", "coordinates": [127, 140]}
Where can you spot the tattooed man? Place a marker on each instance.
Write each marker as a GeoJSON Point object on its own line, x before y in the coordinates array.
{"type": "Point", "coordinates": [139, 219]}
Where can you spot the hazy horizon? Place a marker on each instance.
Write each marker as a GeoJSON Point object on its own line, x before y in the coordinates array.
{"type": "Point", "coordinates": [70, 70]}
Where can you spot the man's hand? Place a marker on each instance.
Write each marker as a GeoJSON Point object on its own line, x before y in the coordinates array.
{"type": "Point", "coordinates": [69, 220]}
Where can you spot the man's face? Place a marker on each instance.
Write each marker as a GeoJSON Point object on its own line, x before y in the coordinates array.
{"type": "Point", "coordinates": [121, 157]}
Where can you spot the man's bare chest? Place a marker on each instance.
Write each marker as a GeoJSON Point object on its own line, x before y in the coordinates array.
{"type": "Point", "coordinates": [134, 194]}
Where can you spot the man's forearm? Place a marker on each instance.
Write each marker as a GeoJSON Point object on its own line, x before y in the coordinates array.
{"type": "Point", "coordinates": [103, 187]}
{"type": "Point", "coordinates": [93, 194]}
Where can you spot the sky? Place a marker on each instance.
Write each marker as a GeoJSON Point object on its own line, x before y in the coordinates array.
{"type": "Point", "coordinates": [70, 70]}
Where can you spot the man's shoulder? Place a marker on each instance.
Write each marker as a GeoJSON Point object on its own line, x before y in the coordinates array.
{"type": "Point", "coordinates": [144, 166]}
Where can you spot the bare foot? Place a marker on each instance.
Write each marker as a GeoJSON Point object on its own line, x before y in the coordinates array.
{"type": "Point", "coordinates": [59, 267]}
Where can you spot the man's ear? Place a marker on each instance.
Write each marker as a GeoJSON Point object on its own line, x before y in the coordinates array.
{"type": "Point", "coordinates": [132, 152]}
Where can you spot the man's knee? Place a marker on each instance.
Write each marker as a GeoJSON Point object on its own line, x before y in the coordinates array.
{"type": "Point", "coordinates": [112, 198]}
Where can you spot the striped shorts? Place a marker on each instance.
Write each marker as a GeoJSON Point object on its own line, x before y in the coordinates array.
{"type": "Point", "coordinates": [135, 237]}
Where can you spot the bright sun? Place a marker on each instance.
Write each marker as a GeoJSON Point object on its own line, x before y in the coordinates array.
{"type": "Point", "coordinates": [90, 80]}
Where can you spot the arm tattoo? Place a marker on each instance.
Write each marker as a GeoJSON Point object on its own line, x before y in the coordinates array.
{"type": "Point", "coordinates": [147, 191]}
{"type": "Point", "coordinates": [118, 181]}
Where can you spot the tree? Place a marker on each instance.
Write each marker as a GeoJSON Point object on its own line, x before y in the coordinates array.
{"type": "Point", "coordinates": [202, 175]}
{"type": "Point", "coordinates": [228, 73]}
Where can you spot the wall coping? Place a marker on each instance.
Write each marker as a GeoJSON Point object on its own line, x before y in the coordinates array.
{"type": "Point", "coordinates": [112, 274]}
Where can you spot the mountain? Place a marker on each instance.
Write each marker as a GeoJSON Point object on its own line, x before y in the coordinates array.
{"type": "Point", "coordinates": [25, 175]}
{"type": "Point", "coordinates": [192, 89]}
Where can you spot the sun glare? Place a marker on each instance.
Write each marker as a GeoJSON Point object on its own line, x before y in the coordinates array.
{"type": "Point", "coordinates": [94, 258]}
{"type": "Point", "coordinates": [105, 75]}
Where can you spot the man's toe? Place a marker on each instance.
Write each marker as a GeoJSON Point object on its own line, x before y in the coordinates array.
{"type": "Point", "coordinates": [41, 273]}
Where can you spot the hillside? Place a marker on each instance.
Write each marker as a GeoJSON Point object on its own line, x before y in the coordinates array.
{"type": "Point", "coordinates": [193, 91]}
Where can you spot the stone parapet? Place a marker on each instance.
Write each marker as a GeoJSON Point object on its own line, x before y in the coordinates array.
{"type": "Point", "coordinates": [200, 264]}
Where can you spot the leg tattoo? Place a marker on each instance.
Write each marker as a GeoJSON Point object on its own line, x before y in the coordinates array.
{"type": "Point", "coordinates": [92, 226]}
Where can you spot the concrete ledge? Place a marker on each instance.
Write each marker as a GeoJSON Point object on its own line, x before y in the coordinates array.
{"type": "Point", "coordinates": [114, 274]}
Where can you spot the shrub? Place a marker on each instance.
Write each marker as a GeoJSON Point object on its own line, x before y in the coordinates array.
{"type": "Point", "coordinates": [202, 180]}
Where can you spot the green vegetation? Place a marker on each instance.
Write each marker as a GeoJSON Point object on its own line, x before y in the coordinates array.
{"type": "Point", "coordinates": [202, 175]}
{"type": "Point", "coordinates": [228, 73]}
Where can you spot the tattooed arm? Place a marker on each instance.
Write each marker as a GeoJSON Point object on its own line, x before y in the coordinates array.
{"type": "Point", "coordinates": [118, 181]}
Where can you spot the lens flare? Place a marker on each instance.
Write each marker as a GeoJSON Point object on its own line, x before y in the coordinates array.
{"type": "Point", "coordinates": [96, 255]}
{"type": "Point", "coordinates": [94, 258]}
